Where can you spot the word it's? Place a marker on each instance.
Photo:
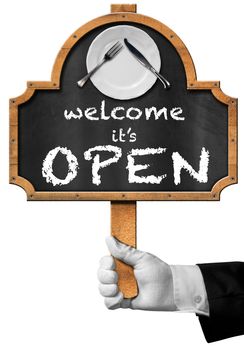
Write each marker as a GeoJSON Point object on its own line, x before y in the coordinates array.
{"type": "Point", "coordinates": [122, 135]}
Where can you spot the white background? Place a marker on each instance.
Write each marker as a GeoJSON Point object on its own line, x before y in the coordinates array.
{"type": "Point", "coordinates": [49, 251]}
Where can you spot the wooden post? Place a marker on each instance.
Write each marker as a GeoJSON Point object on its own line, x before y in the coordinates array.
{"type": "Point", "coordinates": [123, 216]}
{"type": "Point", "coordinates": [123, 8]}
{"type": "Point", "coordinates": [123, 227]}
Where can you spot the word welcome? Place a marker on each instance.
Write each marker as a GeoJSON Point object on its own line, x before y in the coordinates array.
{"type": "Point", "coordinates": [120, 113]}
{"type": "Point", "coordinates": [93, 155]}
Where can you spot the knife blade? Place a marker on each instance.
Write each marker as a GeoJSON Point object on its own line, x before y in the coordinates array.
{"type": "Point", "coordinates": [143, 61]}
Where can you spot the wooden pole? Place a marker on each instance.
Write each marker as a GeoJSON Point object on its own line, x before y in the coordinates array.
{"type": "Point", "coordinates": [123, 8]}
{"type": "Point", "coordinates": [123, 227]}
{"type": "Point", "coordinates": [123, 215]}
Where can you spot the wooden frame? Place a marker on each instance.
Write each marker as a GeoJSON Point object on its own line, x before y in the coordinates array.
{"type": "Point", "coordinates": [119, 15]}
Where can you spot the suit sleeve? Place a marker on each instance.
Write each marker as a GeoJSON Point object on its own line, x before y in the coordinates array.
{"type": "Point", "coordinates": [224, 284]}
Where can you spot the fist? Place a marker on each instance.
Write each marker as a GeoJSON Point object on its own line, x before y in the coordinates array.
{"type": "Point", "coordinates": [154, 279]}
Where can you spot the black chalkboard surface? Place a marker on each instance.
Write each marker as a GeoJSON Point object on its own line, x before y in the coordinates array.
{"type": "Point", "coordinates": [182, 149]}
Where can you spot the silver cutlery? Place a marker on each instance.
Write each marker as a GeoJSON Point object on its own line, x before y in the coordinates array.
{"type": "Point", "coordinates": [139, 56]}
{"type": "Point", "coordinates": [109, 55]}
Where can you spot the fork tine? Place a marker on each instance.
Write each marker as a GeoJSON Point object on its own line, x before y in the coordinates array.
{"type": "Point", "coordinates": [113, 47]}
{"type": "Point", "coordinates": [115, 44]}
{"type": "Point", "coordinates": [116, 51]}
{"type": "Point", "coordinates": [118, 47]}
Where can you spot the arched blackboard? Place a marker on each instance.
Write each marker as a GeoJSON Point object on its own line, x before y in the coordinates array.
{"type": "Point", "coordinates": [208, 124]}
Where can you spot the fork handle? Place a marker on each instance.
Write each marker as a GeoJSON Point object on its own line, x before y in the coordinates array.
{"type": "Point", "coordinates": [82, 82]}
{"type": "Point", "coordinates": [164, 81]}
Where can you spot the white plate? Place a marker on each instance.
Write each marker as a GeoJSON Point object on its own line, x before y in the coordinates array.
{"type": "Point", "coordinates": [123, 77]}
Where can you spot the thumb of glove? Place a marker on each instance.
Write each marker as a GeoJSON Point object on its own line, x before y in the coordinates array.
{"type": "Point", "coordinates": [123, 252]}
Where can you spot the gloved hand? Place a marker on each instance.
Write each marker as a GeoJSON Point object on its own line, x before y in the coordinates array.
{"type": "Point", "coordinates": [154, 279]}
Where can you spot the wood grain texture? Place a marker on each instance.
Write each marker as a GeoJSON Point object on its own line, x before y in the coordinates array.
{"type": "Point", "coordinates": [123, 227]}
{"type": "Point", "coordinates": [192, 84]}
{"type": "Point", "coordinates": [123, 8]}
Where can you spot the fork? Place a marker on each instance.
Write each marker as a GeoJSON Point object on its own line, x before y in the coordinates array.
{"type": "Point", "coordinates": [109, 55]}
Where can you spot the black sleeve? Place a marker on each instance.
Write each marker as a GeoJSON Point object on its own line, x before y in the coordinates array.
{"type": "Point", "coordinates": [224, 284]}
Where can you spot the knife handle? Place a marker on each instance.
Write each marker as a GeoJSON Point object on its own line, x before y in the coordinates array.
{"type": "Point", "coordinates": [164, 81]}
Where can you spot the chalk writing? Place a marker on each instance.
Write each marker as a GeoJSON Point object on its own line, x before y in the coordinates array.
{"type": "Point", "coordinates": [120, 113]}
{"type": "Point", "coordinates": [93, 154]}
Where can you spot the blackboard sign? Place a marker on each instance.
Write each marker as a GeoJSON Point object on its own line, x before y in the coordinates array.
{"type": "Point", "coordinates": [69, 143]}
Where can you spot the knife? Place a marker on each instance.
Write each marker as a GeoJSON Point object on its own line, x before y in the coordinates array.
{"type": "Point", "coordinates": [139, 56]}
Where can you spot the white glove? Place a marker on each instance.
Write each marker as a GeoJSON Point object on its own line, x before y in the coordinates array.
{"type": "Point", "coordinates": [154, 279]}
